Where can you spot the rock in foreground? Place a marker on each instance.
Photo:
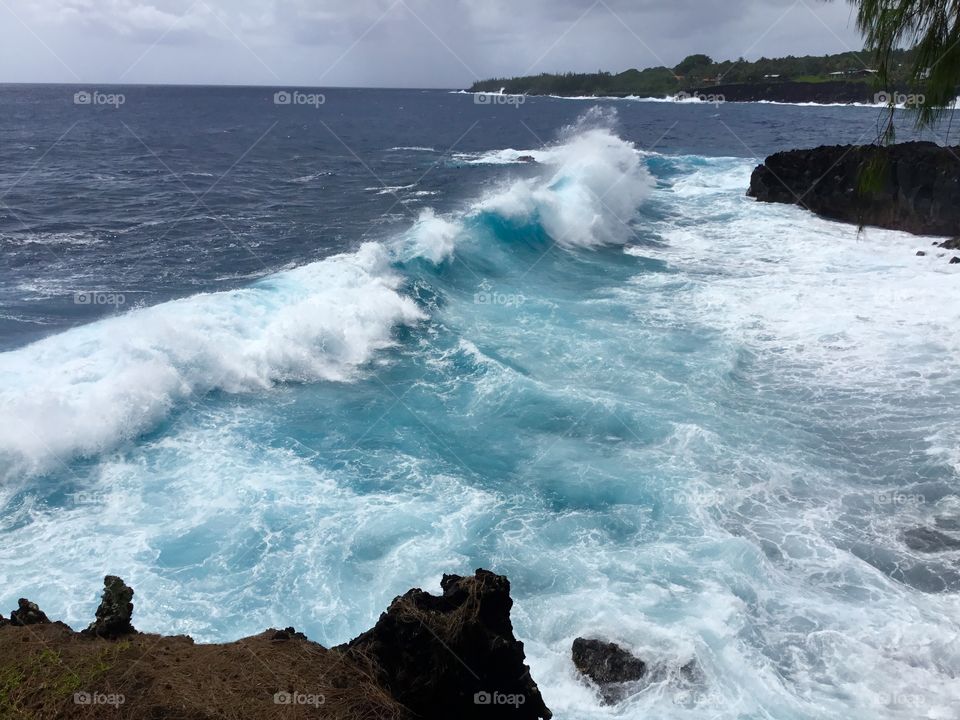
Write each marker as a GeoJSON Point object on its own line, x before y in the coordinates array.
{"type": "Point", "coordinates": [608, 665]}
{"type": "Point", "coordinates": [28, 613]}
{"type": "Point", "coordinates": [452, 656]}
{"type": "Point", "coordinates": [115, 611]}
{"type": "Point", "coordinates": [916, 188]}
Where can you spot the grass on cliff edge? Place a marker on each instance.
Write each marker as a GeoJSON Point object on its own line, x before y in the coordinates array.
{"type": "Point", "coordinates": [48, 671]}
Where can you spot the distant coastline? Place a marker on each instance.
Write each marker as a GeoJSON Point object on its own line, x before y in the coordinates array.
{"type": "Point", "coordinates": [842, 79]}
{"type": "Point", "coordinates": [783, 94]}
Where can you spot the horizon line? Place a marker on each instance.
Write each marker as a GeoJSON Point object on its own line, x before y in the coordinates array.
{"type": "Point", "coordinates": [6, 83]}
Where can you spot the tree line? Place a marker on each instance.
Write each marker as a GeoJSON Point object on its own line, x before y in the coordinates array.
{"type": "Point", "coordinates": [700, 71]}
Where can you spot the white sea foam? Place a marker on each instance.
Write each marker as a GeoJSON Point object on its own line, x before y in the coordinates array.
{"type": "Point", "coordinates": [50, 238]}
{"type": "Point", "coordinates": [209, 496]}
{"type": "Point", "coordinates": [305, 179]}
{"type": "Point", "coordinates": [704, 98]}
{"type": "Point", "coordinates": [507, 156]}
{"type": "Point", "coordinates": [710, 527]}
{"type": "Point", "coordinates": [779, 278]}
{"type": "Point", "coordinates": [432, 237]}
{"type": "Point", "coordinates": [82, 391]}
{"type": "Point", "coordinates": [390, 189]}
{"type": "Point", "coordinates": [591, 187]}
{"type": "Point", "coordinates": [586, 190]}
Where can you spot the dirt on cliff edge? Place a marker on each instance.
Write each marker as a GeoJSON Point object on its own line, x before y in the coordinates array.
{"type": "Point", "coordinates": [433, 657]}
{"type": "Point", "coordinates": [49, 671]}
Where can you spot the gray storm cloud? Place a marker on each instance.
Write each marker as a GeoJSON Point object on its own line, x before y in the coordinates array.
{"type": "Point", "coordinates": [385, 43]}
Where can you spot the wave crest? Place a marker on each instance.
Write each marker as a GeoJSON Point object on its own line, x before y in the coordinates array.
{"type": "Point", "coordinates": [85, 390]}
{"type": "Point", "coordinates": [593, 184]}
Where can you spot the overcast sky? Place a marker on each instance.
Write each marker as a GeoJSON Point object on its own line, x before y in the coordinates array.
{"type": "Point", "coordinates": [394, 43]}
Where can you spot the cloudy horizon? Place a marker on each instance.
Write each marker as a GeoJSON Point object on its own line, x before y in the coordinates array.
{"type": "Point", "coordinates": [395, 43]}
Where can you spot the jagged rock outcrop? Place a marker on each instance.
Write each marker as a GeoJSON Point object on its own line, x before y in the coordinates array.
{"type": "Point", "coordinates": [453, 655]}
{"type": "Point", "coordinates": [608, 665]}
{"type": "Point", "coordinates": [115, 611]}
{"type": "Point", "coordinates": [914, 186]}
{"type": "Point", "coordinates": [287, 634]}
{"type": "Point", "coordinates": [27, 613]}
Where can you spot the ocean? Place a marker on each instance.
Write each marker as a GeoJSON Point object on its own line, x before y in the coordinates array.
{"type": "Point", "coordinates": [275, 364]}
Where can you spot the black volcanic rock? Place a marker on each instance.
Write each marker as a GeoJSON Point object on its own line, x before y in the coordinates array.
{"type": "Point", "coordinates": [454, 655]}
{"type": "Point", "coordinates": [115, 611]}
{"type": "Point", "coordinates": [606, 664]}
{"type": "Point", "coordinates": [785, 91]}
{"type": "Point", "coordinates": [287, 634]}
{"type": "Point", "coordinates": [27, 613]}
{"type": "Point", "coordinates": [916, 185]}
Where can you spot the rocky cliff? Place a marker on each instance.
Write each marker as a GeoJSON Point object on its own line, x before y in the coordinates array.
{"type": "Point", "coordinates": [911, 186]}
{"type": "Point", "coordinates": [824, 93]}
{"type": "Point", "coordinates": [434, 657]}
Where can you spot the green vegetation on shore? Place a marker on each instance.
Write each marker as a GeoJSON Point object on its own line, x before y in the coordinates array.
{"type": "Point", "coordinates": [932, 29]}
{"type": "Point", "coordinates": [700, 71]}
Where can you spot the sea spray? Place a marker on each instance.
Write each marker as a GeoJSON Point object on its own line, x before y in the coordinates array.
{"type": "Point", "coordinates": [673, 444]}
{"type": "Point", "coordinates": [592, 186]}
{"type": "Point", "coordinates": [85, 390]}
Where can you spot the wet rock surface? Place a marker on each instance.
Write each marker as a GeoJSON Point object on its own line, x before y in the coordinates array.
{"type": "Point", "coordinates": [915, 186]}
{"type": "Point", "coordinates": [606, 662]}
{"type": "Point", "coordinates": [608, 665]}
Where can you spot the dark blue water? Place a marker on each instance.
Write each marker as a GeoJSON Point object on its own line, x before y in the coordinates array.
{"type": "Point", "coordinates": [182, 190]}
{"type": "Point", "coordinates": [275, 364]}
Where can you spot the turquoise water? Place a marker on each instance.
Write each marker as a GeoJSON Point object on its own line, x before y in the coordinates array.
{"type": "Point", "coordinates": [690, 423]}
